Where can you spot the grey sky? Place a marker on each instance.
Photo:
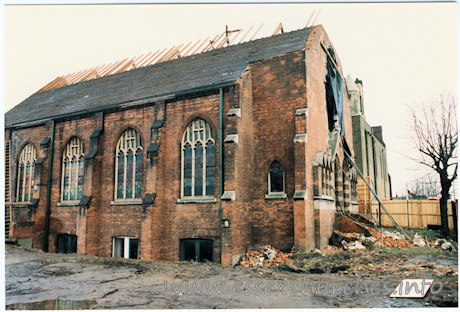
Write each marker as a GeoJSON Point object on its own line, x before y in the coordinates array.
{"type": "Point", "coordinates": [404, 53]}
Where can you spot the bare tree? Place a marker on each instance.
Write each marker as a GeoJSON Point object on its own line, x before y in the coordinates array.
{"type": "Point", "coordinates": [435, 136]}
{"type": "Point", "coordinates": [424, 187]}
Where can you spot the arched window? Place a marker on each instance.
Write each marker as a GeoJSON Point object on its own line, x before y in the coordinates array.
{"type": "Point", "coordinates": [26, 171]}
{"type": "Point", "coordinates": [128, 166]}
{"type": "Point", "coordinates": [72, 170]}
{"type": "Point", "coordinates": [198, 160]}
{"type": "Point", "coordinates": [276, 178]}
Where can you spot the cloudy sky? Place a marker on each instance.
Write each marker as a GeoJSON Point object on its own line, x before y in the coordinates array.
{"type": "Point", "coordinates": [404, 53]}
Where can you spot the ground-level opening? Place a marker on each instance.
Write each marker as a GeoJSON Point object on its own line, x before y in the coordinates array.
{"type": "Point", "coordinates": [125, 247]}
{"type": "Point", "coordinates": [197, 250]}
{"type": "Point", "coordinates": [67, 243]}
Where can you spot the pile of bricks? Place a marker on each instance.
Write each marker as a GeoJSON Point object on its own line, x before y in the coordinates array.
{"type": "Point", "coordinates": [266, 257]}
{"type": "Point", "coordinates": [391, 242]}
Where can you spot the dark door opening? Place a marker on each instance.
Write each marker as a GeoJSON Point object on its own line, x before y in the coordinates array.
{"type": "Point", "coordinates": [67, 243]}
{"type": "Point", "coordinates": [197, 250]}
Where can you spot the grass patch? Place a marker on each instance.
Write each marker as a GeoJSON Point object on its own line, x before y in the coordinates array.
{"type": "Point", "coordinates": [415, 250]}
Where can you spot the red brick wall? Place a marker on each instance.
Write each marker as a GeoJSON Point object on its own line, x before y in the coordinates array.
{"type": "Point", "coordinates": [278, 90]}
{"type": "Point", "coordinates": [268, 94]}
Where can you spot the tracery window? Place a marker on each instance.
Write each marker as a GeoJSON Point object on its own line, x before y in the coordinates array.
{"type": "Point", "coordinates": [72, 170]}
{"type": "Point", "coordinates": [275, 178]}
{"type": "Point", "coordinates": [198, 160]}
{"type": "Point", "coordinates": [26, 171]}
{"type": "Point", "coordinates": [128, 166]}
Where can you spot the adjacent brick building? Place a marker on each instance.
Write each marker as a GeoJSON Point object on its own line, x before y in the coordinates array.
{"type": "Point", "coordinates": [199, 157]}
{"type": "Point", "coordinates": [369, 147]}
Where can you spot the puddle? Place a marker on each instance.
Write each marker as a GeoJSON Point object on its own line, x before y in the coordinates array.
{"type": "Point", "coordinates": [57, 304]}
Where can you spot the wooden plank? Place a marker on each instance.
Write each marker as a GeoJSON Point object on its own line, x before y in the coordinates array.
{"type": "Point", "coordinates": [249, 30]}
{"type": "Point", "coordinates": [196, 51]}
{"type": "Point", "coordinates": [116, 66]}
{"type": "Point", "coordinates": [149, 59]}
{"type": "Point", "coordinates": [190, 49]}
{"type": "Point", "coordinates": [110, 68]}
{"type": "Point", "coordinates": [211, 42]}
{"type": "Point", "coordinates": [185, 47]}
{"type": "Point", "coordinates": [278, 29]}
{"type": "Point", "coordinates": [257, 31]}
{"type": "Point", "coordinates": [234, 37]}
{"type": "Point", "coordinates": [159, 56]}
{"type": "Point", "coordinates": [314, 21]}
{"type": "Point", "coordinates": [140, 61]}
{"type": "Point", "coordinates": [104, 69]}
{"type": "Point", "coordinates": [77, 78]}
{"type": "Point", "coordinates": [309, 20]}
{"type": "Point", "coordinates": [166, 54]}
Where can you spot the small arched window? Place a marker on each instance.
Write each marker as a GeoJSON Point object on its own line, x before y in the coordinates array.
{"type": "Point", "coordinates": [198, 160]}
{"type": "Point", "coordinates": [128, 166]}
{"type": "Point", "coordinates": [276, 179]}
{"type": "Point", "coordinates": [72, 170]}
{"type": "Point", "coordinates": [26, 171]}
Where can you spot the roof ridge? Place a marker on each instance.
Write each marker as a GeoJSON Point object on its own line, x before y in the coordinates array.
{"type": "Point", "coordinates": [171, 60]}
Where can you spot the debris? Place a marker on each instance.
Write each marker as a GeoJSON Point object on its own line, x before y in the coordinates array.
{"type": "Point", "coordinates": [445, 244]}
{"type": "Point", "coordinates": [270, 253]}
{"type": "Point", "coordinates": [418, 240]}
{"type": "Point", "coordinates": [448, 246]}
{"type": "Point", "coordinates": [356, 246]}
{"type": "Point", "coordinates": [337, 238]}
{"type": "Point", "coordinates": [340, 268]}
{"type": "Point", "coordinates": [264, 257]}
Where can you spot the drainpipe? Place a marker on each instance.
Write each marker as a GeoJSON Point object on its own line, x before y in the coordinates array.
{"type": "Point", "coordinates": [48, 192]}
{"type": "Point", "coordinates": [221, 166]}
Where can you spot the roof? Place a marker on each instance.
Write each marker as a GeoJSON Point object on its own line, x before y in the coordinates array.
{"type": "Point", "coordinates": [351, 85]}
{"type": "Point", "coordinates": [155, 82]}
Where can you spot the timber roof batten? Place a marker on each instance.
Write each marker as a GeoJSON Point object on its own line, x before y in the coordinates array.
{"type": "Point", "coordinates": [162, 80]}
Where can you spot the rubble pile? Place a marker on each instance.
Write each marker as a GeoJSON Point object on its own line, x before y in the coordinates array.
{"type": "Point", "coordinates": [265, 257]}
{"type": "Point", "coordinates": [391, 240]}
{"type": "Point", "coordinates": [357, 241]}
{"type": "Point", "coordinates": [445, 244]}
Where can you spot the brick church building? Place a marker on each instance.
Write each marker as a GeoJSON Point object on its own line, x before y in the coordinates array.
{"type": "Point", "coordinates": [199, 157]}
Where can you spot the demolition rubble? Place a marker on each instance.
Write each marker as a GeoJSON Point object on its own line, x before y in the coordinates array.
{"type": "Point", "coordinates": [339, 255]}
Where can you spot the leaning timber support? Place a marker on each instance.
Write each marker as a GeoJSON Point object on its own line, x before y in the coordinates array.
{"type": "Point", "coordinates": [400, 229]}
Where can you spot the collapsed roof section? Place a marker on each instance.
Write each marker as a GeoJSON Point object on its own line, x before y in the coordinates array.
{"type": "Point", "coordinates": [159, 81]}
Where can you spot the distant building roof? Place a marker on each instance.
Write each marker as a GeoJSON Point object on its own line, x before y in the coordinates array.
{"type": "Point", "coordinates": [351, 85]}
{"type": "Point", "coordinates": [158, 81]}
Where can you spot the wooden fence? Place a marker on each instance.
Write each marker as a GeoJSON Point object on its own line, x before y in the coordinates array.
{"type": "Point", "coordinates": [415, 214]}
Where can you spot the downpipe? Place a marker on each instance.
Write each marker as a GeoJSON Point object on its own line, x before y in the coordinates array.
{"type": "Point", "coordinates": [48, 191]}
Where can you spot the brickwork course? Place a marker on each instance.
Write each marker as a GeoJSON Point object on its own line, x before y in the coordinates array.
{"type": "Point", "coordinates": [272, 97]}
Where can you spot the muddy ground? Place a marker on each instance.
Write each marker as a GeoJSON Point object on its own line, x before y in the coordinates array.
{"type": "Point", "coordinates": [108, 283]}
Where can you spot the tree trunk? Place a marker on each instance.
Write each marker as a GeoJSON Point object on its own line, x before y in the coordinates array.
{"type": "Point", "coordinates": [445, 187]}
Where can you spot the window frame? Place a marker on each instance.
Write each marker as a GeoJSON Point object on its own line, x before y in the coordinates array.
{"type": "Point", "coordinates": [73, 148]}
{"type": "Point", "coordinates": [271, 194]}
{"type": "Point", "coordinates": [28, 156]}
{"type": "Point", "coordinates": [192, 140]}
{"type": "Point", "coordinates": [124, 146]}
{"type": "Point", "coordinates": [126, 246]}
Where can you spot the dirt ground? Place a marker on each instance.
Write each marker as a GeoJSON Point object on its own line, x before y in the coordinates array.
{"type": "Point", "coordinates": [305, 282]}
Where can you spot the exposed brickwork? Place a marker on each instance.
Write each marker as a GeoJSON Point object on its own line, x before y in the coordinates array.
{"type": "Point", "coordinates": [268, 95]}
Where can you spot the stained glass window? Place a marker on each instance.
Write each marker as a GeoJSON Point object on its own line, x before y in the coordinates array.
{"type": "Point", "coordinates": [276, 178]}
{"type": "Point", "coordinates": [198, 160]}
{"type": "Point", "coordinates": [73, 168]}
{"type": "Point", "coordinates": [128, 175]}
{"type": "Point", "coordinates": [26, 171]}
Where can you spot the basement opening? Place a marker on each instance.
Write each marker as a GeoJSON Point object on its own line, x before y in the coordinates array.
{"type": "Point", "coordinates": [126, 247]}
{"type": "Point", "coordinates": [67, 243]}
{"type": "Point", "coordinates": [196, 250]}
